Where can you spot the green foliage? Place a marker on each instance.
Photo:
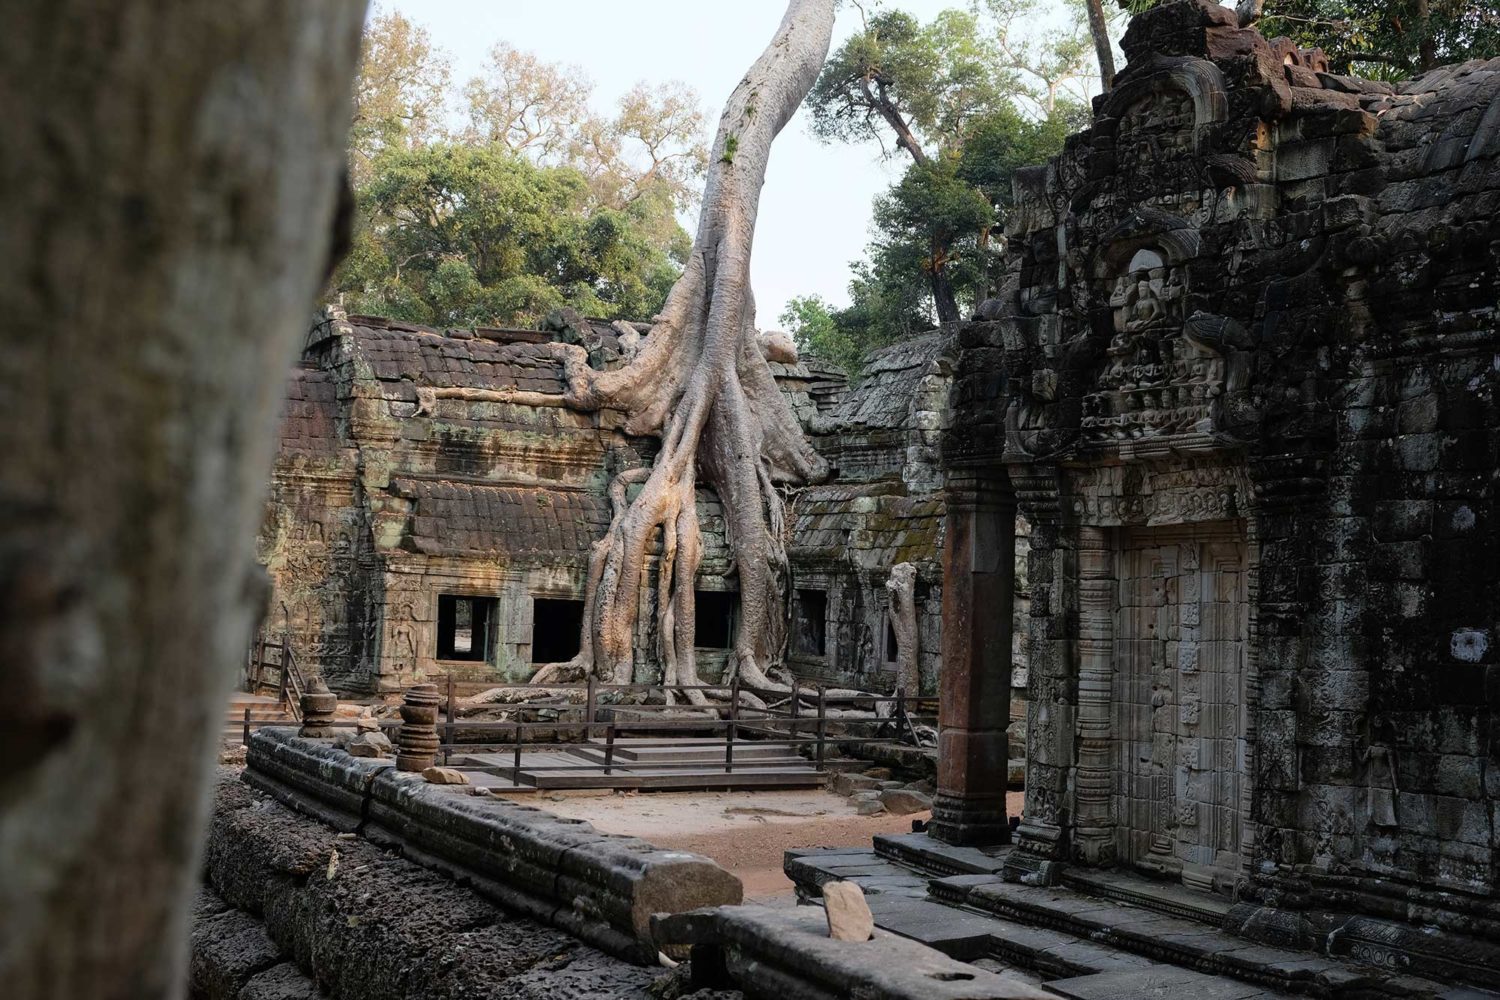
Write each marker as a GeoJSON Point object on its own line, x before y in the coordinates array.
{"type": "Point", "coordinates": [946, 214]}
{"type": "Point", "coordinates": [462, 235]}
{"type": "Point", "coordinates": [1387, 38]}
{"type": "Point", "coordinates": [945, 92]}
{"type": "Point", "coordinates": [1382, 39]}
{"type": "Point", "coordinates": [843, 336]}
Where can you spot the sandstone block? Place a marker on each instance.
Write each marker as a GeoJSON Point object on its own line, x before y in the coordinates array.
{"type": "Point", "coordinates": [445, 776]}
{"type": "Point", "coordinates": [903, 801]}
{"type": "Point", "coordinates": [848, 784]}
{"type": "Point", "coordinates": [375, 744]}
{"type": "Point", "coordinates": [849, 917]}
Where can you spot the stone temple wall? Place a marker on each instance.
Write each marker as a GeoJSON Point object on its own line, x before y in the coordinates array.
{"type": "Point", "coordinates": [1242, 382]}
{"type": "Point", "coordinates": [391, 493]}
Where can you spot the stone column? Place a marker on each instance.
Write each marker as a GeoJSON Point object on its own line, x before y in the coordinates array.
{"type": "Point", "coordinates": [974, 707]}
{"type": "Point", "coordinates": [1094, 836]}
{"type": "Point", "coordinates": [417, 741]}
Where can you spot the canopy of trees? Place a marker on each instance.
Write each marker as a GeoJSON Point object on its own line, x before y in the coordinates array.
{"type": "Point", "coordinates": [966, 99]}
{"type": "Point", "coordinates": [1388, 39]}
{"type": "Point", "coordinates": [497, 202]}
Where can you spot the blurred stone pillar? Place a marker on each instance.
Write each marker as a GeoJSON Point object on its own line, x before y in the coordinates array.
{"type": "Point", "coordinates": [974, 710]}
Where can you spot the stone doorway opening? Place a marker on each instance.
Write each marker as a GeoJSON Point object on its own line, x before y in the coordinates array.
{"type": "Point", "coordinates": [1181, 624]}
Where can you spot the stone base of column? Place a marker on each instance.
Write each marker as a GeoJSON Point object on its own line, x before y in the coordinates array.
{"type": "Point", "coordinates": [965, 821]}
{"type": "Point", "coordinates": [1038, 857]}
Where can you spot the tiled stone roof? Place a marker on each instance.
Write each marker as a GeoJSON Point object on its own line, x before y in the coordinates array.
{"type": "Point", "coordinates": [465, 519]}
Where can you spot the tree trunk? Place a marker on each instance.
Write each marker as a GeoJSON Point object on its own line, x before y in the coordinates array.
{"type": "Point", "coordinates": [1099, 29]}
{"type": "Point", "coordinates": [701, 384]}
{"type": "Point", "coordinates": [943, 298]}
{"type": "Point", "coordinates": [170, 182]}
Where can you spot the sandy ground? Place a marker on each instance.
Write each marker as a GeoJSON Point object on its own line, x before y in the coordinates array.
{"type": "Point", "coordinates": [746, 832]}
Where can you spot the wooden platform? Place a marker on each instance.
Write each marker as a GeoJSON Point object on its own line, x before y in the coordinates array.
{"type": "Point", "coordinates": [650, 763]}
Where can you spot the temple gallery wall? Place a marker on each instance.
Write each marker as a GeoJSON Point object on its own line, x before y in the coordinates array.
{"type": "Point", "coordinates": [1241, 381]}
{"type": "Point", "coordinates": [1212, 477]}
{"type": "Point", "coordinates": [411, 533]}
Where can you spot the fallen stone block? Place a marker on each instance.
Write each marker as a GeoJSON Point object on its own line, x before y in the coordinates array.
{"type": "Point", "coordinates": [903, 801]}
{"type": "Point", "coordinates": [445, 776]}
{"type": "Point", "coordinates": [373, 744]}
{"type": "Point", "coordinates": [849, 917]}
{"type": "Point", "coordinates": [848, 784]}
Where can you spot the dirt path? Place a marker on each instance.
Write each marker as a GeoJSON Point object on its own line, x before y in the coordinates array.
{"type": "Point", "coordinates": [746, 832]}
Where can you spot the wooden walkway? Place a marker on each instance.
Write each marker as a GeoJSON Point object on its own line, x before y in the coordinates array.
{"type": "Point", "coordinates": [649, 763]}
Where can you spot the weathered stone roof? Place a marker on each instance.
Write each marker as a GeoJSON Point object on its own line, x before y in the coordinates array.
{"type": "Point", "coordinates": [504, 521]}
{"type": "Point", "coordinates": [892, 376]}
{"type": "Point", "coordinates": [456, 359]}
{"type": "Point", "coordinates": [848, 523]}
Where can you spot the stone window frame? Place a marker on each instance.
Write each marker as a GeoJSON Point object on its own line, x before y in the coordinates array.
{"type": "Point", "coordinates": [822, 655]}
{"type": "Point", "coordinates": [492, 638]}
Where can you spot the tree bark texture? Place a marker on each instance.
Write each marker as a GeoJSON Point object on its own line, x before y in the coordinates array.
{"type": "Point", "coordinates": [1099, 30]}
{"type": "Point", "coordinates": [701, 385]}
{"type": "Point", "coordinates": [169, 178]}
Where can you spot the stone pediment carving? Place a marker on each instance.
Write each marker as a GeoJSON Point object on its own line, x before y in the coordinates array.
{"type": "Point", "coordinates": [1156, 381]}
{"type": "Point", "coordinates": [1164, 105]}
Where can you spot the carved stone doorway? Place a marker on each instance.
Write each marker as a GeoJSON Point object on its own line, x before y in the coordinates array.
{"type": "Point", "coordinates": [1179, 700]}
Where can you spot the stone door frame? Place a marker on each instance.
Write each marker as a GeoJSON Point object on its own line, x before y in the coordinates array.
{"type": "Point", "coordinates": [1128, 542]}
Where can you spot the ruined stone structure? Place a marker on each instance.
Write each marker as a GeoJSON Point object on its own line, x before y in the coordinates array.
{"type": "Point", "coordinates": [1241, 380]}
{"type": "Point", "coordinates": [413, 533]}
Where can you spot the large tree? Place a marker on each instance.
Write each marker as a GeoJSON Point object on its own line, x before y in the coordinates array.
{"type": "Point", "coordinates": [168, 194]}
{"type": "Point", "coordinates": [478, 235]}
{"type": "Point", "coordinates": [401, 93]}
{"type": "Point", "coordinates": [702, 386]}
{"type": "Point", "coordinates": [937, 93]}
{"type": "Point", "coordinates": [652, 146]}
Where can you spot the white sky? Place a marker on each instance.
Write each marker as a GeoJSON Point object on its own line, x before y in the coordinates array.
{"type": "Point", "coordinates": [815, 209]}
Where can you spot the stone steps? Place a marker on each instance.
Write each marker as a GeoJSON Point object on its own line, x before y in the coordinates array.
{"type": "Point", "coordinates": [1071, 965]}
{"type": "Point", "coordinates": [1113, 936]}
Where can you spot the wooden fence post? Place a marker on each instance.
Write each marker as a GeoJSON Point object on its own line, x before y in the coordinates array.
{"type": "Point", "coordinates": [730, 730]}
{"type": "Point", "coordinates": [448, 717]}
{"type": "Point", "coordinates": [822, 723]}
{"type": "Point", "coordinates": [588, 711]}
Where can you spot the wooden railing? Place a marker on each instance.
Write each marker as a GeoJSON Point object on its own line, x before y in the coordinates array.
{"type": "Point", "coordinates": [785, 726]}
{"type": "Point", "coordinates": [788, 726]}
{"type": "Point", "coordinates": [290, 682]}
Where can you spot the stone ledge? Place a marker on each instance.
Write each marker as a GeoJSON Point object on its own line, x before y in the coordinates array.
{"type": "Point", "coordinates": [776, 954]}
{"type": "Point", "coordinates": [600, 887]}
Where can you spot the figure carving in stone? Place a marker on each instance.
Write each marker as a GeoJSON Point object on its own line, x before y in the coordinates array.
{"type": "Point", "coordinates": [1156, 381]}
{"type": "Point", "coordinates": [1380, 786]}
{"type": "Point", "coordinates": [1233, 411]}
{"type": "Point", "coordinates": [901, 586]}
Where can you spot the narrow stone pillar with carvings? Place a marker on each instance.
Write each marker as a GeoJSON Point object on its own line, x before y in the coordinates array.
{"type": "Point", "coordinates": [417, 740]}
{"type": "Point", "coordinates": [974, 708]}
{"type": "Point", "coordinates": [1094, 836]}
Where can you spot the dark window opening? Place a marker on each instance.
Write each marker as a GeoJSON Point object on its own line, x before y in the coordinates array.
{"type": "Point", "coordinates": [713, 619]}
{"type": "Point", "coordinates": [464, 627]}
{"type": "Point", "coordinates": [556, 629]}
{"type": "Point", "coordinates": [812, 622]}
{"type": "Point", "coordinates": [891, 644]}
